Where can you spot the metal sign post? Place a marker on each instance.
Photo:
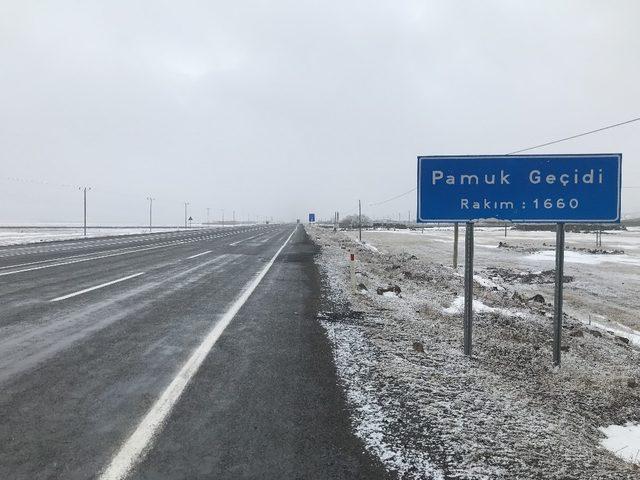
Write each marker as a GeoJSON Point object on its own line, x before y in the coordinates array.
{"type": "Point", "coordinates": [455, 245]}
{"type": "Point", "coordinates": [557, 296]}
{"type": "Point", "coordinates": [468, 287]}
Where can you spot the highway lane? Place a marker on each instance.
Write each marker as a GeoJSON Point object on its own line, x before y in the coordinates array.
{"type": "Point", "coordinates": [33, 326]}
{"type": "Point", "coordinates": [79, 374]}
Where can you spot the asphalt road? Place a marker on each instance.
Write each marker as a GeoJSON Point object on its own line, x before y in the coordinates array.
{"type": "Point", "coordinates": [180, 355]}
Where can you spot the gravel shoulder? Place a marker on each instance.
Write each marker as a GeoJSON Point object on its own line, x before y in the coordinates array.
{"type": "Point", "coordinates": [429, 412]}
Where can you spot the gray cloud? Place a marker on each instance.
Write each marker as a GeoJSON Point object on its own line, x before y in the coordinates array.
{"type": "Point", "coordinates": [279, 108]}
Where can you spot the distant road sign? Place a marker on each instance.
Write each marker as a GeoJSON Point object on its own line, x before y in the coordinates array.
{"type": "Point", "coordinates": [520, 188]}
{"type": "Point", "coordinates": [312, 217]}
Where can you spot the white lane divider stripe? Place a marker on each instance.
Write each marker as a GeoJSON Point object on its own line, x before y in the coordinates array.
{"type": "Point", "coordinates": [90, 289]}
{"type": "Point", "coordinates": [139, 441]}
{"type": "Point", "coordinates": [198, 255]}
{"type": "Point", "coordinates": [243, 240]}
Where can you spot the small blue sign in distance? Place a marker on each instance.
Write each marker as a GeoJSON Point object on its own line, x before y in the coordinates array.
{"type": "Point", "coordinates": [312, 217]}
{"type": "Point", "coordinates": [520, 188]}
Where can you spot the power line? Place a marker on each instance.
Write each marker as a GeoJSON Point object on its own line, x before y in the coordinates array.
{"type": "Point", "coordinates": [576, 136]}
{"type": "Point", "coordinates": [626, 122]}
{"type": "Point", "coordinates": [393, 198]}
{"type": "Point", "coordinates": [40, 182]}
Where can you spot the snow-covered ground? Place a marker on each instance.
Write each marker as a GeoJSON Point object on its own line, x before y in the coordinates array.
{"type": "Point", "coordinates": [427, 411]}
{"type": "Point", "coordinates": [604, 288]}
{"type": "Point", "coordinates": [623, 441]}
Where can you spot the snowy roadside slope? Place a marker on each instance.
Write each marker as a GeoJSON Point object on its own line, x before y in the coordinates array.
{"type": "Point", "coordinates": [429, 412]}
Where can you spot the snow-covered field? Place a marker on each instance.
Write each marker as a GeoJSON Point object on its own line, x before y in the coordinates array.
{"type": "Point", "coordinates": [427, 411]}
{"type": "Point", "coordinates": [604, 288]}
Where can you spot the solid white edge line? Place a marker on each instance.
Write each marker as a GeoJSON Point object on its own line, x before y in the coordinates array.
{"type": "Point", "coordinates": [198, 255]}
{"type": "Point", "coordinates": [90, 289]}
{"type": "Point", "coordinates": [132, 450]}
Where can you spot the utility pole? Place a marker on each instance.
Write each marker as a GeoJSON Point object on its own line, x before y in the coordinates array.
{"type": "Point", "coordinates": [186, 204]}
{"type": "Point", "coordinates": [84, 191]}
{"type": "Point", "coordinates": [234, 217]}
{"type": "Point", "coordinates": [150, 212]}
{"type": "Point", "coordinates": [208, 209]}
{"type": "Point", "coordinates": [223, 217]}
{"type": "Point", "coordinates": [360, 220]}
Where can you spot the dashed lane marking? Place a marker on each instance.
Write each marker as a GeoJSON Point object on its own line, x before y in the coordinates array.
{"type": "Point", "coordinates": [91, 289]}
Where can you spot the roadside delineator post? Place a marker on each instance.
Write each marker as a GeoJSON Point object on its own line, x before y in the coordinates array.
{"type": "Point", "coordinates": [468, 287]}
{"type": "Point", "coordinates": [352, 268]}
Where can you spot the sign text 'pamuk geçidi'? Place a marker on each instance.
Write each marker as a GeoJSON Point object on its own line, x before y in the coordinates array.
{"type": "Point", "coordinates": [522, 188]}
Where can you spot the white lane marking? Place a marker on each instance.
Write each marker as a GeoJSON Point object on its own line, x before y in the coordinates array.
{"type": "Point", "coordinates": [243, 240]}
{"type": "Point", "coordinates": [131, 451]}
{"type": "Point", "coordinates": [198, 255]}
{"type": "Point", "coordinates": [90, 289]}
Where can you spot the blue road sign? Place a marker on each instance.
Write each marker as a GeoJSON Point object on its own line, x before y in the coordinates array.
{"type": "Point", "coordinates": [520, 188]}
{"type": "Point", "coordinates": [312, 217]}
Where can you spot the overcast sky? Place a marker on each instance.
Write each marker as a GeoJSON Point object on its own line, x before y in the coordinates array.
{"type": "Point", "coordinates": [277, 108]}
